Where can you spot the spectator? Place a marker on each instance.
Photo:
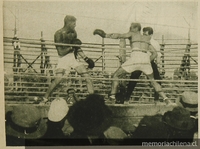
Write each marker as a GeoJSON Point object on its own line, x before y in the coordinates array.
{"type": "Point", "coordinates": [56, 118]}
{"type": "Point", "coordinates": [89, 119]}
{"type": "Point", "coordinates": [180, 125]}
{"type": "Point", "coordinates": [24, 124]}
{"type": "Point", "coordinates": [189, 101]}
{"type": "Point", "coordinates": [71, 96]}
{"type": "Point", "coordinates": [150, 129]}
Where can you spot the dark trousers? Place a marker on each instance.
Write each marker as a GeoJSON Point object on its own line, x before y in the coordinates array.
{"type": "Point", "coordinates": [136, 74]}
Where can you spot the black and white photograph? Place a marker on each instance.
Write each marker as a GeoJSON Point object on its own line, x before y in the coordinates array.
{"type": "Point", "coordinates": [100, 73]}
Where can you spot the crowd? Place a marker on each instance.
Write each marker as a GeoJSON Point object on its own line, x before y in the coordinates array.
{"type": "Point", "coordinates": [89, 121]}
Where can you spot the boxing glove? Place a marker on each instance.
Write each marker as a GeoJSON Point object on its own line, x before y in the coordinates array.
{"type": "Point", "coordinates": [90, 62]}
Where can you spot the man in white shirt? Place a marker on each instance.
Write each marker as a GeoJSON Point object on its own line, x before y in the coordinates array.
{"type": "Point", "coordinates": [148, 31]}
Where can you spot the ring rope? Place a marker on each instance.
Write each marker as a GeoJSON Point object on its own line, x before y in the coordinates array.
{"type": "Point", "coordinates": [75, 45]}
{"type": "Point", "coordinates": [110, 79]}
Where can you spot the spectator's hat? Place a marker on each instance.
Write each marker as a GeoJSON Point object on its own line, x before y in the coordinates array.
{"type": "Point", "coordinates": [179, 118]}
{"type": "Point", "coordinates": [189, 100]}
{"type": "Point", "coordinates": [58, 110]}
{"type": "Point", "coordinates": [25, 121]}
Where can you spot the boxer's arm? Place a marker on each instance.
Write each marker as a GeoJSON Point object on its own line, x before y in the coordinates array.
{"type": "Point", "coordinates": [81, 53]}
{"type": "Point", "coordinates": [156, 45]}
{"type": "Point", "coordinates": [153, 53]}
{"type": "Point", "coordinates": [78, 50]}
{"type": "Point", "coordinates": [58, 39]}
{"type": "Point", "coordinates": [158, 59]}
{"type": "Point", "coordinates": [90, 62]}
{"type": "Point", "coordinates": [117, 36]}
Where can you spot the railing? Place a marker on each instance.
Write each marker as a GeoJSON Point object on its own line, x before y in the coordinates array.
{"type": "Point", "coordinates": [29, 69]}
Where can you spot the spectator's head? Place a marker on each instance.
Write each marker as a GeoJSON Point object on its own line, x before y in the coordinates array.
{"type": "Point", "coordinates": [147, 31]}
{"type": "Point", "coordinates": [58, 110]}
{"type": "Point", "coordinates": [25, 122]}
{"type": "Point", "coordinates": [151, 127]}
{"type": "Point", "coordinates": [178, 118]}
{"type": "Point", "coordinates": [90, 116]}
{"type": "Point", "coordinates": [189, 101]}
{"type": "Point", "coordinates": [135, 27]}
{"type": "Point", "coordinates": [70, 92]}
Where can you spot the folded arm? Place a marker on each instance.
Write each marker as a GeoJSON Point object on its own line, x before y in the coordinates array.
{"type": "Point", "coordinates": [62, 50]}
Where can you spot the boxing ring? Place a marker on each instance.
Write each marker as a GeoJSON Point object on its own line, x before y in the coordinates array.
{"type": "Point", "coordinates": [29, 69]}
